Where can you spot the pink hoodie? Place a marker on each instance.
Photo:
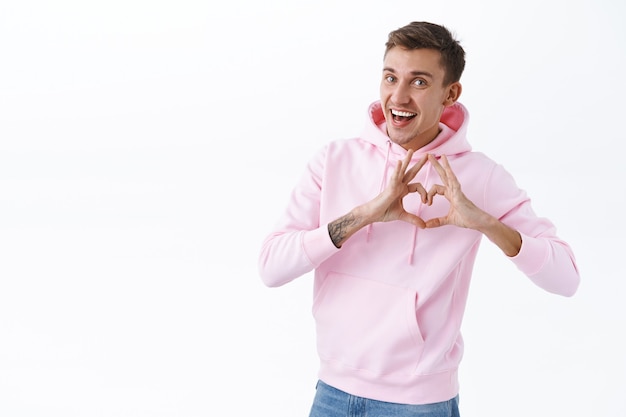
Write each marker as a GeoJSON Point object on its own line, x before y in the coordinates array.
{"type": "Point", "coordinates": [388, 304]}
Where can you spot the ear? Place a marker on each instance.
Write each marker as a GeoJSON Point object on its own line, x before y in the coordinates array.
{"type": "Point", "coordinates": [453, 93]}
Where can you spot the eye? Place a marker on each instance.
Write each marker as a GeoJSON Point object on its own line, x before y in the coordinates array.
{"type": "Point", "coordinates": [390, 78]}
{"type": "Point", "coordinates": [419, 83]}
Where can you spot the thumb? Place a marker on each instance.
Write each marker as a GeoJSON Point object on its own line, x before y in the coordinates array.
{"type": "Point", "coordinates": [435, 222]}
{"type": "Point", "coordinates": [413, 219]}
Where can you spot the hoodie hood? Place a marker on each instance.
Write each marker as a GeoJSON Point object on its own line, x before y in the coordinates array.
{"type": "Point", "coordinates": [452, 139]}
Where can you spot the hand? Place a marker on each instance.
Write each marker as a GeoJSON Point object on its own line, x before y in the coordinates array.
{"type": "Point", "coordinates": [463, 212]}
{"type": "Point", "coordinates": [388, 205]}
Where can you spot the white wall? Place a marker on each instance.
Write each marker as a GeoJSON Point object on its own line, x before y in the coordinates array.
{"type": "Point", "coordinates": [146, 147]}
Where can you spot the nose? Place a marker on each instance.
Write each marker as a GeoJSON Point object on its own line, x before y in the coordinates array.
{"type": "Point", "coordinates": [400, 94]}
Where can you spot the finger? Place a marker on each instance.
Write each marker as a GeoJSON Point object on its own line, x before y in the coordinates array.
{"type": "Point", "coordinates": [436, 222]}
{"type": "Point", "coordinates": [412, 172]}
{"type": "Point", "coordinates": [407, 160]}
{"type": "Point", "coordinates": [398, 172]}
{"type": "Point", "coordinates": [434, 190]}
{"type": "Point", "coordinates": [442, 172]}
{"type": "Point", "coordinates": [413, 219]}
{"type": "Point", "coordinates": [401, 165]}
{"type": "Point", "coordinates": [417, 187]}
{"type": "Point", "coordinates": [448, 169]}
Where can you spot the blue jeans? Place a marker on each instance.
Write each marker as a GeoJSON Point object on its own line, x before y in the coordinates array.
{"type": "Point", "coordinates": [331, 402]}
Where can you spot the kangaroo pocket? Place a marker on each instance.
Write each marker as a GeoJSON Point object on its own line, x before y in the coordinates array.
{"type": "Point", "coordinates": [367, 325]}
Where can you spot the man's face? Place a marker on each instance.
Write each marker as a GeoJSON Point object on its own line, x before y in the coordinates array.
{"type": "Point", "coordinates": [413, 95]}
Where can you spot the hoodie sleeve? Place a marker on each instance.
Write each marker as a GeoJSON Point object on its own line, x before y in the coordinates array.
{"type": "Point", "coordinates": [546, 259]}
{"type": "Point", "coordinates": [298, 243]}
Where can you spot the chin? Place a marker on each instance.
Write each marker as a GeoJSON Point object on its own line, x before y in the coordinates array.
{"type": "Point", "coordinates": [400, 139]}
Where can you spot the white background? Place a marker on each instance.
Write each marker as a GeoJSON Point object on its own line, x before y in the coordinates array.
{"type": "Point", "coordinates": [146, 148]}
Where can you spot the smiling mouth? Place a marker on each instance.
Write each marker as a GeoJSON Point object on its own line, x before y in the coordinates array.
{"type": "Point", "coordinates": [402, 116]}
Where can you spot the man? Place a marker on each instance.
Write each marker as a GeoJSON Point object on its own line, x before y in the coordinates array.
{"type": "Point", "coordinates": [391, 222]}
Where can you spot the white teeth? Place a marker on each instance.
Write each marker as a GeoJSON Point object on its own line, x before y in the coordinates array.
{"type": "Point", "coordinates": [402, 113]}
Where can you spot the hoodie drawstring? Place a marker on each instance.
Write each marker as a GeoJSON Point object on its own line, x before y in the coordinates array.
{"type": "Point", "coordinates": [383, 182]}
{"type": "Point", "coordinates": [419, 209]}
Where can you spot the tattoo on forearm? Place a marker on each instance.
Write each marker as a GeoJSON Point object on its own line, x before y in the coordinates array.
{"type": "Point", "coordinates": [339, 228]}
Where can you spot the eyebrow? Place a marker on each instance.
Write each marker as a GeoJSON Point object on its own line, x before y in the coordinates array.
{"type": "Point", "coordinates": [414, 73]}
